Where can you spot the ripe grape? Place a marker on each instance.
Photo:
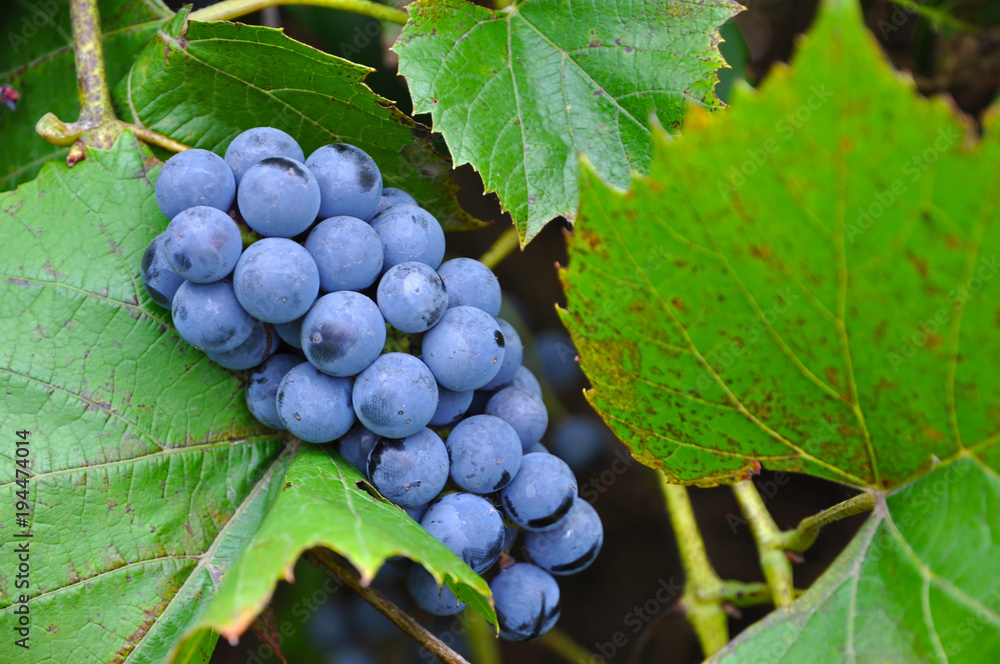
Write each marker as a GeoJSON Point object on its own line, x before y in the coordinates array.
{"type": "Point", "coordinates": [192, 178]}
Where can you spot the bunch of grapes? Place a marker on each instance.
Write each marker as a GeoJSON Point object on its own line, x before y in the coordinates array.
{"type": "Point", "coordinates": [341, 267]}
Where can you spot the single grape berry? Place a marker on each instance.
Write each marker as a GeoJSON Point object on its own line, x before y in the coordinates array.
{"type": "Point", "coordinates": [429, 596]}
{"type": "Point", "coordinates": [209, 317]}
{"type": "Point", "coordinates": [485, 453]}
{"type": "Point", "coordinates": [409, 471]}
{"type": "Point", "coordinates": [396, 396]}
{"type": "Point", "coordinates": [465, 349]}
{"type": "Point", "coordinates": [524, 379]}
{"type": "Point", "coordinates": [393, 196]}
{"type": "Point", "coordinates": [343, 333]}
{"type": "Point", "coordinates": [349, 181]}
{"type": "Point", "coordinates": [278, 197]}
{"type": "Point", "coordinates": [348, 253]}
{"type": "Point", "coordinates": [257, 144]}
{"type": "Point", "coordinates": [158, 277]}
{"type": "Point", "coordinates": [411, 297]}
{"type": "Point", "coordinates": [313, 406]}
{"type": "Point", "coordinates": [451, 406]}
{"type": "Point", "coordinates": [541, 494]}
{"type": "Point", "coordinates": [468, 525]}
{"type": "Point", "coordinates": [276, 280]}
{"type": "Point", "coordinates": [558, 355]}
{"type": "Point", "coordinates": [202, 244]}
{"type": "Point", "coordinates": [470, 283]}
{"type": "Point", "coordinates": [513, 353]}
{"type": "Point", "coordinates": [291, 332]}
{"type": "Point", "coordinates": [262, 388]}
{"type": "Point", "coordinates": [357, 444]}
{"type": "Point", "coordinates": [580, 440]}
{"type": "Point", "coordinates": [521, 409]}
{"type": "Point", "coordinates": [192, 178]}
{"type": "Point", "coordinates": [258, 346]}
{"type": "Point", "coordinates": [571, 545]}
{"type": "Point", "coordinates": [409, 233]}
{"type": "Point", "coordinates": [526, 599]}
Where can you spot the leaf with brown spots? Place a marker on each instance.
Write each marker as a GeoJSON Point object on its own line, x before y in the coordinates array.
{"type": "Point", "coordinates": [811, 282]}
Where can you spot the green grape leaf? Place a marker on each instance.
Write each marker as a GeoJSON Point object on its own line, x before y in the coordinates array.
{"type": "Point", "coordinates": [37, 56]}
{"type": "Point", "coordinates": [519, 93]}
{"type": "Point", "coordinates": [323, 504]}
{"type": "Point", "coordinates": [807, 281]}
{"type": "Point", "coordinates": [919, 583]}
{"type": "Point", "coordinates": [204, 83]}
{"type": "Point", "coordinates": [148, 473]}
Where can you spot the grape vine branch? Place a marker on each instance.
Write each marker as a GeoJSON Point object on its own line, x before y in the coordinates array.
{"type": "Point", "coordinates": [228, 9]}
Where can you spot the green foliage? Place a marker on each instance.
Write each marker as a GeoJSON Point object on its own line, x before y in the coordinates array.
{"type": "Point", "coordinates": [150, 475]}
{"type": "Point", "coordinates": [919, 583]}
{"type": "Point", "coordinates": [204, 83]}
{"type": "Point", "coordinates": [807, 280]}
{"type": "Point", "coordinates": [520, 93]}
{"type": "Point", "coordinates": [37, 55]}
{"type": "Point", "coordinates": [322, 505]}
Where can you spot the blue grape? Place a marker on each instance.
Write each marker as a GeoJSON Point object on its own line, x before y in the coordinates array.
{"type": "Point", "coordinates": [541, 494]}
{"type": "Point", "coordinates": [409, 471]}
{"type": "Point", "coordinates": [429, 596]}
{"type": "Point", "coordinates": [291, 332]}
{"type": "Point", "coordinates": [349, 181]}
{"type": "Point", "coordinates": [451, 406]}
{"type": "Point", "coordinates": [469, 526]}
{"type": "Point", "coordinates": [526, 598]}
{"type": "Point", "coordinates": [409, 233]}
{"type": "Point", "coordinates": [509, 537]}
{"type": "Point", "coordinates": [396, 396]}
{"type": "Point", "coordinates": [580, 440]}
{"type": "Point", "coordinates": [356, 445]}
{"type": "Point", "coordinates": [472, 284]}
{"type": "Point", "coordinates": [343, 333]}
{"type": "Point", "coordinates": [262, 388]}
{"type": "Point", "coordinates": [392, 196]}
{"type": "Point", "coordinates": [348, 253]}
{"type": "Point", "coordinates": [522, 410]}
{"type": "Point", "coordinates": [257, 144]}
{"type": "Point", "coordinates": [465, 349]}
{"type": "Point", "coordinates": [526, 380]}
{"type": "Point", "coordinates": [558, 356]}
{"type": "Point", "coordinates": [209, 317]}
{"type": "Point", "coordinates": [276, 280]}
{"type": "Point", "coordinates": [159, 279]}
{"type": "Point", "coordinates": [278, 197]}
{"type": "Point", "coordinates": [513, 353]}
{"type": "Point", "coordinates": [537, 448]}
{"type": "Point", "coordinates": [485, 453]}
{"type": "Point", "coordinates": [258, 346]}
{"type": "Point", "coordinates": [411, 297]}
{"type": "Point", "coordinates": [202, 244]}
{"type": "Point", "coordinates": [571, 545]}
{"type": "Point", "coordinates": [192, 178]}
{"type": "Point", "coordinates": [313, 406]}
{"type": "Point", "coordinates": [417, 513]}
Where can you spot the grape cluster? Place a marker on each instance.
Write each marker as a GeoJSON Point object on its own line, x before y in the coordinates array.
{"type": "Point", "coordinates": [448, 430]}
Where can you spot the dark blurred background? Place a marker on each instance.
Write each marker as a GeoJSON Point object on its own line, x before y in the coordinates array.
{"type": "Point", "coordinates": [625, 597]}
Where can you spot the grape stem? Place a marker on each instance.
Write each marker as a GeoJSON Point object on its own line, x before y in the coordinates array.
{"type": "Point", "coordinates": [805, 534]}
{"type": "Point", "coordinates": [563, 645]}
{"type": "Point", "coordinates": [499, 250]}
{"type": "Point", "coordinates": [704, 592]}
{"type": "Point", "coordinates": [403, 620]}
{"type": "Point", "coordinates": [97, 126]}
{"type": "Point", "coordinates": [228, 9]}
{"type": "Point", "coordinates": [776, 565]}
{"type": "Point", "coordinates": [482, 637]}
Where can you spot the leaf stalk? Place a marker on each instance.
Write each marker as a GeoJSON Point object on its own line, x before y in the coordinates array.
{"type": "Point", "coordinates": [805, 533]}
{"type": "Point", "coordinates": [229, 9]}
{"type": "Point", "coordinates": [776, 565]}
{"type": "Point", "coordinates": [702, 600]}
{"type": "Point", "coordinates": [501, 248]}
{"type": "Point", "coordinates": [401, 618]}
